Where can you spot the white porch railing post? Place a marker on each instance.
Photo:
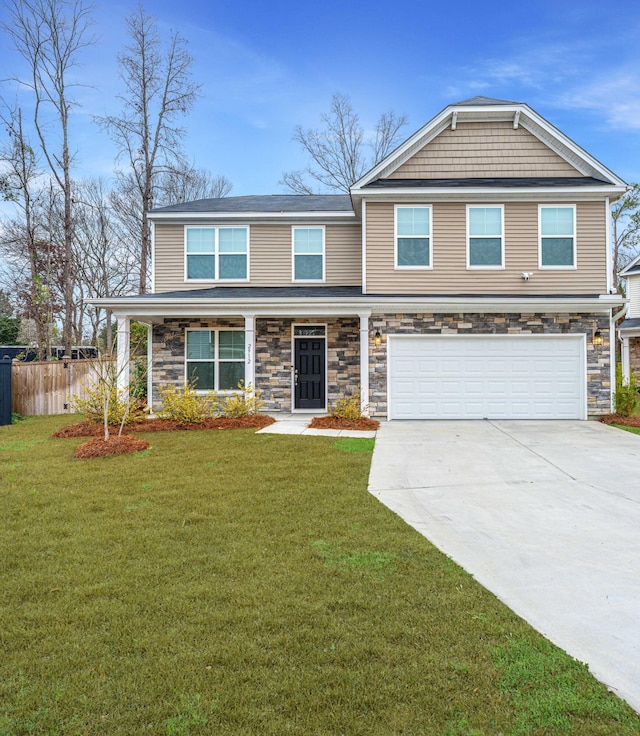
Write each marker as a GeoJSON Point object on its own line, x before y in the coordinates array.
{"type": "Point", "coordinates": [122, 362]}
{"type": "Point", "coordinates": [364, 363]}
{"type": "Point", "coordinates": [250, 349]}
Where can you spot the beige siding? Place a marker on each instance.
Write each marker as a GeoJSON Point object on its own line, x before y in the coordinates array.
{"type": "Point", "coordinates": [450, 275]}
{"type": "Point", "coordinates": [269, 256]}
{"type": "Point", "coordinates": [633, 289]}
{"type": "Point", "coordinates": [482, 150]}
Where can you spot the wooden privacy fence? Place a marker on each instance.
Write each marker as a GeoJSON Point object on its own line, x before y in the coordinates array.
{"type": "Point", "coordinates": [45, 387]}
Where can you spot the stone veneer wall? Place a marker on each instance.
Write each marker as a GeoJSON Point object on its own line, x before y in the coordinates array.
{"type": "Point", "coordinates": [634, 355]}
{"type": "Point", "coordinates": [273, 356]}
{"type": "Point", "coordinates": [168, 359]}
{"type": "Point", "coordinates": [598, 358]}
{"type": "Point", "coordinates": [274, 359]}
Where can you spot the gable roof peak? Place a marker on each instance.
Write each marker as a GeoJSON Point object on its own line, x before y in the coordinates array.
{"type": "Point", "coordinates": [481, 100]}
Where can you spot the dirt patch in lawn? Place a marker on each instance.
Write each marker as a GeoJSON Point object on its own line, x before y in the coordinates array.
{"type": "Point", "coordinates": [99, 447]}
{"type": "Point", "coordinates": [619, 419]}
{"type": "Point", "coordinates": [364, 423]}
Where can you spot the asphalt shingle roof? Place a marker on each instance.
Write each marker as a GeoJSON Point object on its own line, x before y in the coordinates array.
{"type": "Point", "coordinates": [266, 203]}
{"type": "Point", "coordinates": [630, 324]}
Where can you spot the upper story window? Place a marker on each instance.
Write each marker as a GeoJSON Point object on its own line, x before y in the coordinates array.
{"type": "Point", "coordinates": [413, 237]}
{"type": "Point", "coordinates": [557, 231]}
{"type": "Point", "coordinates": [485, 237]}
{"type": "Point", "coordinates": [308, 253]}
{"type": "Point", "coordinates": [215, 359]}
{"type": "Point", "coordinates": [216, 253]}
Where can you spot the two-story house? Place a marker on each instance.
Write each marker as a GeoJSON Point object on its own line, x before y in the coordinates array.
{"type": "Point", "coordinates": [629, 330]}
{"type": "Point", "coordinates": [467, 275]}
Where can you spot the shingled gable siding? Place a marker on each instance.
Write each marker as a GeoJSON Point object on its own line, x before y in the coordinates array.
{"type": "Point", "coordinates": [273, 351]}
{"type": "Point", "coordinates": [484, 149]}
{"type": "Point", "coordinates": [450, 274]}
{"type": "Point", "coordinates": [598, 358]}
{"type": "Point", "coordinates": [269, 255]}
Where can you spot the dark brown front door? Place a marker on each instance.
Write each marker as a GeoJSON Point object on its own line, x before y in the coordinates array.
{"type": "Point", "coordinates": [310, 373]}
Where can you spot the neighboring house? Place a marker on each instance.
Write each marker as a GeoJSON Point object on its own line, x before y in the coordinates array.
{"type": "Point", "coordinates": [629, 330]}
{"type": "Point", "coordinates": [468, 275]}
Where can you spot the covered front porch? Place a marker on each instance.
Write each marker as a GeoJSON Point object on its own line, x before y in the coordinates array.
{"type": "Point", "coordinates": [301, 357]}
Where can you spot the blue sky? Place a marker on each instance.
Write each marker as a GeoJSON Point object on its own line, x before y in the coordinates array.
{"type": "Point", "coordinates": [266, 66]}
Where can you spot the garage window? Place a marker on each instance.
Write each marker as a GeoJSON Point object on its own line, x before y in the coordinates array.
{"type": "Point", "coordinates": [485, 237]}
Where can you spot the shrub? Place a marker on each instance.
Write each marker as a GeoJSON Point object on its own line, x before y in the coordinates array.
{"type": "Point", "coordinates": [138, 383]}
{"type": "Point", "coordinates": [182, 404]}
{"type": "Point", "coordinates": [347, 407]}
{"type": "Point", "coordinates": [626, 395]}
{"type": "Point", "coordinates": [103, 394]}
{"type": "Point", "coordinates": [247, 401]}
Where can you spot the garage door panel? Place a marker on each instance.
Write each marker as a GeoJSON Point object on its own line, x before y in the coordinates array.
{"type": "Point", "coordinates": [486, 377]}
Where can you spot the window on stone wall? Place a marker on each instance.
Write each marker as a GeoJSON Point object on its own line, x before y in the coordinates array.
{"type": "Point", "coordinates": [215, 359]}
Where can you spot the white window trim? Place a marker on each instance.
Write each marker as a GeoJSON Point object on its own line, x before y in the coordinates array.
{"type": "Point", "coordinates": [293, 254]}
{"type": "Point", "coordinates": [215, 254]}
{"type": "Point", "coordinates": [397, 207]}
{"type": "Point", "coordinates": [574, 266]}
{"type": "Point", "coordinates": [502, 266]}
{"type": "Point", "coordinates": [216, 360]}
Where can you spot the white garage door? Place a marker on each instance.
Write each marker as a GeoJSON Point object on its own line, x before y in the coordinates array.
{"type": "Point", "coordinates": [492, 377]}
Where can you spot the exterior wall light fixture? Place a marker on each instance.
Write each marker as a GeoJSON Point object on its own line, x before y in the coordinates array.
{"type": "Point", "coordinates": [377, 339]}
{"type": "Point", "coordinates": [598, 338]}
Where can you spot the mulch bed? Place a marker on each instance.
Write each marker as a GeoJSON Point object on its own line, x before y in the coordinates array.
{"type": "Point", "coordinates": [364, 423]}
{"type": "Point", "coordinates": [619, 419]}
{"type": "Point", "coordinates": [253, 421]}
{"type": "Point", "coordinates": [90, 429]}
{"type": "Point", "coordinates": [99, 447]}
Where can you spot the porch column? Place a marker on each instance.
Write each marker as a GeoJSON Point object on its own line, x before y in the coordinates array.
{"type": "Point", "coordinates": [250, 349]}
{"type": "Point", "coordinates": [364, 363]}
{"type": "Point", "coordinates": [122, 362]}
{"type": "Point", "coordinates": [626, 363]}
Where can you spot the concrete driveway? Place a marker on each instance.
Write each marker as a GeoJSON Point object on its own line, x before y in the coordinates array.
{"type": "Point", "coordinates": [544, 514]}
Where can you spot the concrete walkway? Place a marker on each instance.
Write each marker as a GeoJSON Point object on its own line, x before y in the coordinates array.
{"type": "Point", "coordinates": [299, 424]}
{"type": "Point", "coordinates": [546, 515]}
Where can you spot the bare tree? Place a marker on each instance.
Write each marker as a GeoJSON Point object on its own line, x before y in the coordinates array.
{"type": "Point", "coordinates": [104, 262]}
{"type": "Point", "coordinates": [340, 150]}
{"type": "Point", "coordinates": [158, 93]}
{"type": "Point", "coordinates": [19, 240]}
{"type": "Point", "coordinates": [625, 217]}
{"type": "Point", "coordinates": [50, 35]}
{"type": "Point", "coordinates": [186, 183]}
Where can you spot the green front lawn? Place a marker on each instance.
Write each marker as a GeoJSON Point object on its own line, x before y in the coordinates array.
{"type": "Point", "coordinates": [224, 582]}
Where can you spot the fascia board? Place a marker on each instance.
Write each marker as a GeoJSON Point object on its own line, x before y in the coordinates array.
{"type": "Point", "coordinates": [375, 304]}
{"type": "Point", "coordinates": [182, 216]}
{"type": "Point", "coordinates": [633, 263]}
{"type": "Point", "coordinates": [577, 150]}
{"type": "Point", "coordinates": [460, 193]}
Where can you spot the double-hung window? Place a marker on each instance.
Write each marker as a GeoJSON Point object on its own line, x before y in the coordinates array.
{"type": "Point", "coordinates": [557, 230]}
{"type": "Point", "coordinates": [215, 359]}
{"type": "Point", "coordinates": [413, 237]}
{"type": "Point", "coordinates": [217, 253]}
{"type": "Point", "coordinates": [308, 253]}
{"type": "Point", "coordinates": [485, 237]}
